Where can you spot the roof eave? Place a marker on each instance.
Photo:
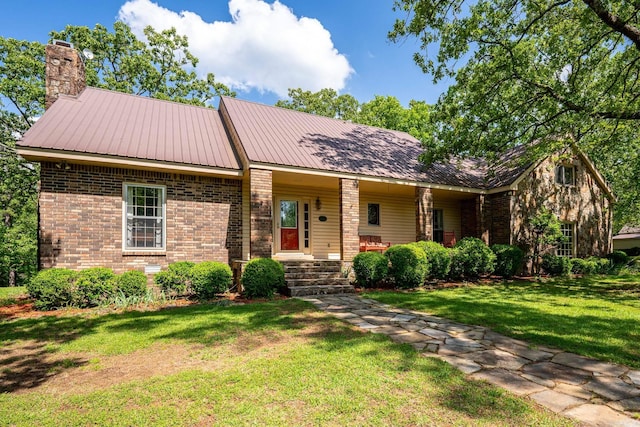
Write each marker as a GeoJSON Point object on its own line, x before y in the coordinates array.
{"type": "Point", "coordinates": [44, 154]}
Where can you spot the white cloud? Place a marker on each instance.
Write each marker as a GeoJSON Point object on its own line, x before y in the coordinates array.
{"type": "Point", "coordinates": [265, 46]}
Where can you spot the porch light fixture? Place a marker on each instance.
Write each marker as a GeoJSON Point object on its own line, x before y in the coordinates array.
{"type": "Point", "coordinates": [318, 203]}
{"type": "Point", "coordinates": [63, 165]}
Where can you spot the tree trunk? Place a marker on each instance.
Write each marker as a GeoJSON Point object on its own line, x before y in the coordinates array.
{"type": "Point", "coordinates": [12, 277]}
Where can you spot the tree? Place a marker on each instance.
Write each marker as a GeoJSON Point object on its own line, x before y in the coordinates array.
{"type": "Point", "coordinates": [545, 233]}
{"type": "Point", "coordinates": [382, 111]}
{"type": "Point", "coordinates": [326, 102]}
{"type": "Point", "coordinates": [160, 68]}
{"type": "Point", "coordinates": [553, 72]}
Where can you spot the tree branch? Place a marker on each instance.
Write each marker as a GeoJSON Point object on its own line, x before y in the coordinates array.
{"type": "Point", "coordinates": [613, 21]}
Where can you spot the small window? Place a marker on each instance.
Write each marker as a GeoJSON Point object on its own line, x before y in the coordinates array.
{"type": "Point", "coordinates": [438, 225]}
{"type": "Point", "coordinates": [144, 217]}
{"type": "Point", "coordinates": [373, 214]}
{"type": "Point", "coordinates": [566, 248]}
{"type": "Point", "coordinates": [565, 175]}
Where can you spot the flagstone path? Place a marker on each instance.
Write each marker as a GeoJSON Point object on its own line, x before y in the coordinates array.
{"type": "Point", "coordinates": [590, 391]}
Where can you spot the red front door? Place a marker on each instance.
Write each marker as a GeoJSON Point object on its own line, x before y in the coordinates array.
{"type": "Point", "coordinates": [289, 238]}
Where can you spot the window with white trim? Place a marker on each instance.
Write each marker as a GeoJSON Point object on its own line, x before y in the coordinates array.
{"type": "Point", "coordinates": [566, 248]}
{"type": "Point", "coordinates": [566, 175]}
{"type": "Point", "coordinates": [144, 217]}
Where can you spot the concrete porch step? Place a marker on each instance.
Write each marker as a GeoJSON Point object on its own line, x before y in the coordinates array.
{"type": "Point", "coordinates": [310, 281]}
{"type": "Point", "coordinates": [320, 274]}
{"type": "Point", "coordinates": [299, 291]}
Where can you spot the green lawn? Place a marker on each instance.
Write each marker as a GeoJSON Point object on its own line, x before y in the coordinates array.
{"type": "Point", "coordinates": [276, 363]}
{"type": "Point", "coordinates": [597, 317]}
{"type": "Point", "coordinates": [9, 295]}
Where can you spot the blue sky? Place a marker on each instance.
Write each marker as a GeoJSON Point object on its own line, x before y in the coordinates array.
{"type": "Point", "coordinates": [263, 49]}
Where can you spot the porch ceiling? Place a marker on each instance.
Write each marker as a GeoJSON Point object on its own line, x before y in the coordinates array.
{"type": "Point", "coordinates": [304, 180]}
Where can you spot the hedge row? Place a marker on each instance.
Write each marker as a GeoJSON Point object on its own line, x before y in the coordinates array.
{"type": "Point", "coordinates": [61, 287]}
{"type": "Point", "coordinates": [562, 266]}
{"type": "Point", "coordinates": [409, 265]}
{"type": "Point", "coordinates": [204, 280]}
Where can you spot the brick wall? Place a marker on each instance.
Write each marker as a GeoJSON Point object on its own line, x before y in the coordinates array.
{"type": "Point", "coordinates": [469, 225]}
{"type": "Point", "coordinates": [500, 229]}
{"type": "Point", "coordinates": [349, 218]}
{"type": "Point", "coordinates": [81, 218]}
{"type": "Point", "coordinates": [261, 189]}
{"type": "Point", "coordinates": [424, 214]}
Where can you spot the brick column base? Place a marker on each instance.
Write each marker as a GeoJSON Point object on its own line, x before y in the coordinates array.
{"type": "Point", "coordinates": [261, 188]}
{"type": "Point", "coordinates": [424, 214]}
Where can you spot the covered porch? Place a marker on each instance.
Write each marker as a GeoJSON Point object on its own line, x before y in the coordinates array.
{"type": "Point", "coordinates": [293, 215]}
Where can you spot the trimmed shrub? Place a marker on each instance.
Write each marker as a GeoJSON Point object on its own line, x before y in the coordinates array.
{"type": "Point", "coordinates": [508, 259]}
{"type": "Point", "coordinates": [209, 278]}
{"type": "Point", "coordinates": [94, 286]}
{"type": "Point", "coordinates": [176, 278]}
{"type": "Point", "coordinates": [603, 265]}
{"type": "Point", "coordinates": [408, 265]}
{"type": "Point", "coordinates": [370, 268]}
{"type": "Point", "coordinates": [583, 266]}
{"type": "Point", "coordinates": [132, 283]}
{"type": "Point", "coordinates": [52, 288]}
{"type": "Point", "coordinates": [556, 265]}
{"type": "Point", "coordinates": [262, 277]}
{"type": "Point", "coordinates": [471, 258]}
{"type": "Point", "coordinates": [438, 259]}
{"type": "Point", "coordinates": [618, 257]}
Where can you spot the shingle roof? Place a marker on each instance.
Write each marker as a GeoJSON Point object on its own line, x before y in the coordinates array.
{"type": "Point", "coordinates": [278, 136]}
{"type": "Point", "coordinates": [113, 123]}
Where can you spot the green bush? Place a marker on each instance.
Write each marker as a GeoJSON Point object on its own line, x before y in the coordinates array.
{"type": "Point", "coordinates": [262, 277]}
{"type": "Point", "coordinates": [52, 288]}
{"type": "Point", "coordinates": [583, 266]}
{"type": "Point", "coordinates": [94, 286]}
{"type": "Point", "coordinates": [438, 259]}
{"type": "Point", "coordinates": [556, 265]}
{"type": "Point", "coordinates": [508, 259]}
{"type": "Point", "coordinates": [210, 278]}
{"type": "Point", "coordinates": [176, 279]}
{"type": "Point", "coordinates": [471, 258]}
{"type": "Point", "coordinates": [132, 283]}
{"type": "Point", "coordinates": [370, 268]}
{"type": "Point", "coordinates": [408, 265]}
{"type": "Point", "coordinates": [603, 265]}
{"type": "Point", "coordinates": [618, 257]}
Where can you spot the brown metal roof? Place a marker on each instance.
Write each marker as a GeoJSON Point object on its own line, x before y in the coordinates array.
{"type": "Point", "coordinates": [117, 124]}
{"type": "Point", "coordinates": [278, 136]}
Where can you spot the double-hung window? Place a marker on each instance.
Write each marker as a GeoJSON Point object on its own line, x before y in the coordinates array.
{"type": "Point", "coordinates": [566, 248]}
{"type": "Point", "coordinates": [373, 214]}
{"type": "Point", "coordinates": [144, 217]}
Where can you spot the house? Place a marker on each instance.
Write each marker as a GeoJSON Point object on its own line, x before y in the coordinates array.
{"type": "Point", "coordinates": [132, 182]}
{"type": "Point", "coordinates": [627, 238]}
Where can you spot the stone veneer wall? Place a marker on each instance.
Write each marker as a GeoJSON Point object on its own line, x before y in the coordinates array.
{"type": "Point", "coordinates": [261, 190]}
{"type": "Point", "coordinates": [349, 218]}
{"type": "Point", "coordinates": [585, 204]}
{"type": "Point", "coordinates": [64, 71]}
{"type": "Point", "coordinates": [424, 214]}
{"type": "Point", "coordinates": [81, 218]}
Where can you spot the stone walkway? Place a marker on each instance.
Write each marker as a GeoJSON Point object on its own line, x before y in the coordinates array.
{"type": "Point", "coordinates": [592, 392]}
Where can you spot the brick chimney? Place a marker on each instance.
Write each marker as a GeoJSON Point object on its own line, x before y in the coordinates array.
{"type": "Point", "coordinates": [64, 73]}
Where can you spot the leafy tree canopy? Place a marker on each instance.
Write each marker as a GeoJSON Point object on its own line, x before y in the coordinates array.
{"type": "Point", "coordinates": [382, 111]}
{"type": "Point", "coordinates": [554, 72]}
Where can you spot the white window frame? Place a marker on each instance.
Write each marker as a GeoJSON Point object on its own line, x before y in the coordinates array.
{"type": "Point", "coordinates": [163, 195]}
{"type": "Point", "coordinates": [560, 175]}
{"type": "Point", "coordinates": [567, 249]}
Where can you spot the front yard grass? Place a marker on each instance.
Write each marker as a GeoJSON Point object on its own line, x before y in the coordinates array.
{"type": "Point", "coordinates": [597, 317]}
{"type": "Point", "coordinates": [274, 363]}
